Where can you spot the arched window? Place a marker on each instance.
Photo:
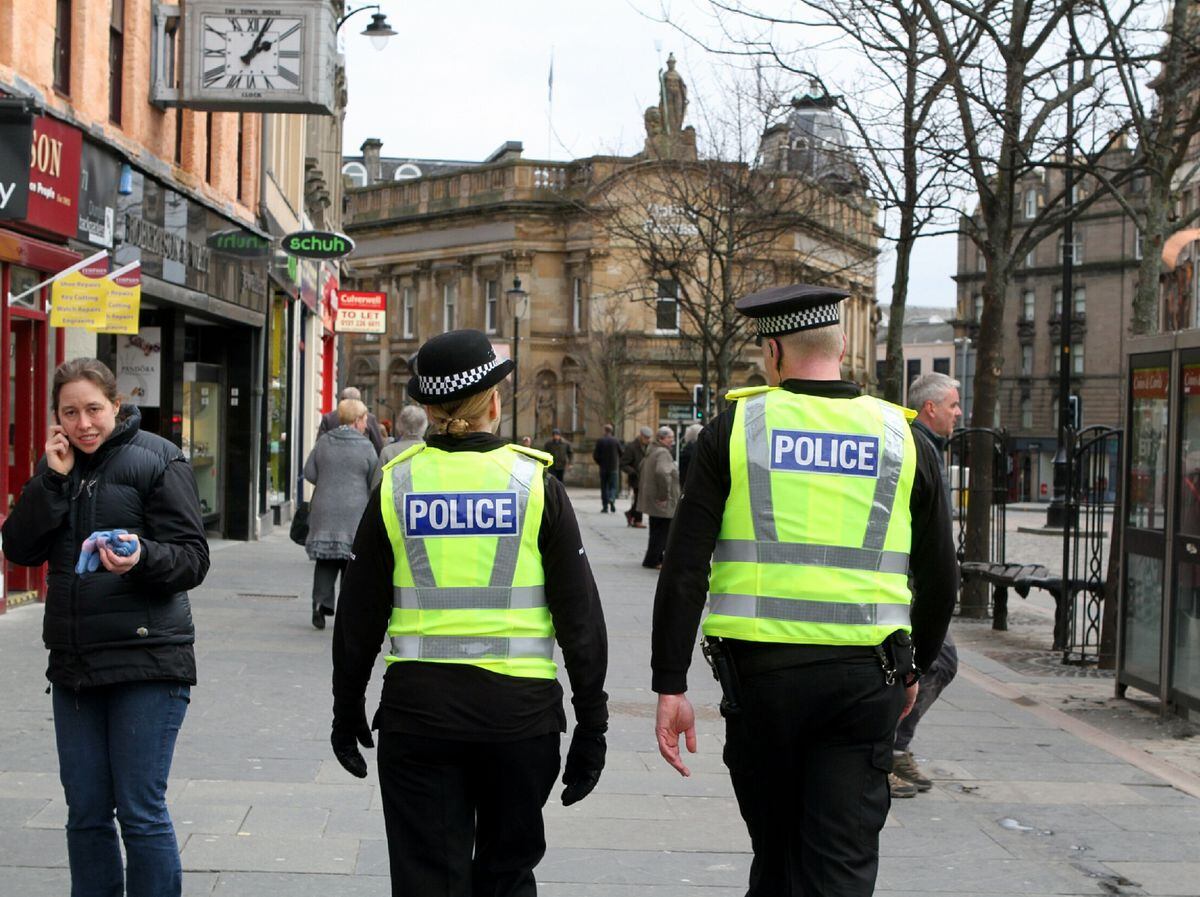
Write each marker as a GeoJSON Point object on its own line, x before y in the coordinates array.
{"type": "Point", "coordinates": [406, 172]}
{"type": "Point", "coordinates": [357, 172]}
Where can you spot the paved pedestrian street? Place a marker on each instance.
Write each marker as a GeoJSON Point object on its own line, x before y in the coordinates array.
{"type": "Point", "coordinates": [1028, 799]}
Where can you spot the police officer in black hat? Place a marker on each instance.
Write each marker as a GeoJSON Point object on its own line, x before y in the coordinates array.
{"type": "Point", "coordinates": [469, 560]}
{"type": "Point", "coordinates": [807, 506]}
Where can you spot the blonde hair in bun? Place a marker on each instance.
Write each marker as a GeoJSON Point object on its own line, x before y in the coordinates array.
{"type": "Point", "coordinates": [465, 416]}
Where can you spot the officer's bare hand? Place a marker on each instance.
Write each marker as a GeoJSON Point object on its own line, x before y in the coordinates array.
{"type": "Point", "coordinates": [675, 716]}
{"type": "Point", "coordinates": [910, 698]}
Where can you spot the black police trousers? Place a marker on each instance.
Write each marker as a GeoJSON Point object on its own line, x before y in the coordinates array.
{"type": "Point", "coordinates": [809, 756]}
{"type": "Point", "coordinates": [464, 818]}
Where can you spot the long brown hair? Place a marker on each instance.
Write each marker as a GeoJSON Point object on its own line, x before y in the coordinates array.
{"type": "Point", "coordinates": [91, 369]}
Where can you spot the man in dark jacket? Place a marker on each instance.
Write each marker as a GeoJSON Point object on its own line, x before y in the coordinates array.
{"type": "Point", "coordinates": [935, 399]}
{"type": "Point", "coordinates": [607, 455]}
{"type": "Point", "coordinates": [631, 465]}
{"type": "Point", "coordinates": [562, 453]}
{"type": "Point", "coordinates": [329, 421]}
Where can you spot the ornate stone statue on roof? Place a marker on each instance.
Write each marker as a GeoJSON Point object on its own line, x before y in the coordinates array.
{"type": "Point", "coordinates": [666, 137]}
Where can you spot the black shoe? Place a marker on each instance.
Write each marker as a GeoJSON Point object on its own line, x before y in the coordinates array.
{"type": "Point", "coordinates": [318, 618]}
{"type": "Point", "coordinates": [604, 510]}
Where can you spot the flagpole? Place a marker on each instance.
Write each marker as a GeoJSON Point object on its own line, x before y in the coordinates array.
{"type": "Point", "coordinates": [550, 107]}
{"type": "Point", "coordinates": [63, 273]}
{"type": "Point", "coordinates": [124, 270]}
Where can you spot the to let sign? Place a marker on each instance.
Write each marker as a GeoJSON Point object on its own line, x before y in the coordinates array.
{"type": "Point", "coordinates": [361, 312]}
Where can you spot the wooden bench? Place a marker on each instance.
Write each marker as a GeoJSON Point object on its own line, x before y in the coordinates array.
{"type": "Point", "coordinates": [1023, 578]}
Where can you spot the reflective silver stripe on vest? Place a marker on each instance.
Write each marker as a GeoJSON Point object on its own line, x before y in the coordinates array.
{"type": "Point", "coordinates": [799, 610]}
{"type": "Point", "coordinates": [890, 463]}
{"type": "Point", "coordinates": [848, 558]}
{"type": "Point", "coordinates": [468, 598]}
{"type": "Point", "coordinates": [470, 647]}
{"type": "Point", "coordinates": [418, 558]}
{"type": "Point", "coordinates": [758, 467]}
{"type": "Point", "coordinates": [504, 564]}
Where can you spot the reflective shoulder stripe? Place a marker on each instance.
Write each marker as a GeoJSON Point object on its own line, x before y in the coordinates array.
{"type": "Point", "coordinates": [537, 454]}
{"type": "Point", "coordinates": [404, 455]}
{"type": "Point", "coordinates": [800, 610]}
{"type": "Point", "coordinates": [504, 564]}
{"type": "Point", "coordinates": [746, 551]}
{"type": "Point", "coordinates": [758, 466]}
{"type": "Point", "coordinates": [470, 647]}
{"type": "Point", "coordinates": [469, 598]}
{"type": "Point", "coordinates": [891, 460]}
{"type": "Point", "coordinates": [734, 394]}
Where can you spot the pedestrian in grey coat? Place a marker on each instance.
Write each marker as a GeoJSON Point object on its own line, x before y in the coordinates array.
{"type": "Point", "coordinates": [658, 493]}
{"type": "Point", "coordinates": [342, 466]}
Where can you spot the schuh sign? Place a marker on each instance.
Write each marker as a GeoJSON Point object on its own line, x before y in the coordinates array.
{"type": "Point", "coordinates": [317, 244]}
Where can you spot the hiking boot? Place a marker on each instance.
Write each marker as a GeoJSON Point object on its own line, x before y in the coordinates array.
{"type": "Point", "coordinates": [900, 788]}
{"type": "Point", "coordinates": [906, 768]}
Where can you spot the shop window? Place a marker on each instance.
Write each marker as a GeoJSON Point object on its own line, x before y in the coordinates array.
{"type": "Point", "coordinates": [449, 305]}
{"type": "Point", "coordinates": [410, 313]}
{"type": "Point", "coordinates": [1028, 300]}
{"type": "Point", "coordinates": [491, 291]}
{"type": "Point", "coordinates": [666, 307]}
{"type": "Point", "coordinates": [912, 370]}
{"type": "Point", "coordinates": [116, 60]}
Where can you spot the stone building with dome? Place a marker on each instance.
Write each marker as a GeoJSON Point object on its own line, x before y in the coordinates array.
{"type": "Point", "coordinates": [609, 334]}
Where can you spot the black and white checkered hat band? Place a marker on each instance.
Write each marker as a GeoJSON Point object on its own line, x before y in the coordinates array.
{"type": "Point", "coordinates": [820, 316]}
{"type": "Point", "coordinates": [444, 386]}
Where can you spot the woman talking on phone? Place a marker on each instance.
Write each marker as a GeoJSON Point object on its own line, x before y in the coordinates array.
{"type": "Point", "coordinates": [114, 511]}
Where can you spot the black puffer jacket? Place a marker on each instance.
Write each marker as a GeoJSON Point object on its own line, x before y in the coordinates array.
{"type": "Point", "coordinates": [102, 628]}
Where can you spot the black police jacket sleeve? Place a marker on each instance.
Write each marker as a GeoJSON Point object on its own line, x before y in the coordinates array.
{"type": "Point", "coordinates": [683, 583]}
{"type": "Point", "coordinates": [365, 605]}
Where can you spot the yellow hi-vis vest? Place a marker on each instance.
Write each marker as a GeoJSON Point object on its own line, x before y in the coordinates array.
{"type": "Point", "coordinates": [814, 543]}
{"type": "Point", "coordinates": [468, 585]}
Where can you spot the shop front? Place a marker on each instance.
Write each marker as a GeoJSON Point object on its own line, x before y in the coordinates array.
{"type": "Point", "coordinates": [195, 366]}
{"type": "Point", "coordinates": [1159, 611]}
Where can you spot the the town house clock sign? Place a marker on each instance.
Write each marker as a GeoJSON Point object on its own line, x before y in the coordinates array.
{"type": "Point", "coordinates": [251, 57]}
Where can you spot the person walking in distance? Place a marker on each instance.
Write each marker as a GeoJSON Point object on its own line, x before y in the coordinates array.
{"type": "Point", "coordinates": [658, 493]}
{"type": "Point", "coordinates": [806, 503]}
{"type": "Point", "coordinates": [935, 399]}
{"type": "Point", "coordinates": [687, 450]}
{"type": "Point", "coordinates": [631, 463]}
{"type": "Point", "coordinates": [413, 423]}
{"type": "Point", "coordinates": [469, 560]}
{"type": "Point", "coordinates": [607, 455]}
{"type": "Point", "coordinates": [561, 452]}
{"type": "Point", "coordinates": [329, 420]}
{"type": "Point", "coordinates": [113, 511]}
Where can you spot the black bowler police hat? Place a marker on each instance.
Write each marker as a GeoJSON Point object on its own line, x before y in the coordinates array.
{"type": "Point", "coordinates": [789, 309]}
{"type": "Point", "coordinates": [454, 365]}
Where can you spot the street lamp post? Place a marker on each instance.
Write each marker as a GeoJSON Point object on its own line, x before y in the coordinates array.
{"type": "Point", "coordinates": [518, 301]}
{"type": "Point", "coordinates": [378, 31]}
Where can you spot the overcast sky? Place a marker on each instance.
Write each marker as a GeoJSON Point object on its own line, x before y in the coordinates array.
{"type": "Point", "coordinates": [463, 76]}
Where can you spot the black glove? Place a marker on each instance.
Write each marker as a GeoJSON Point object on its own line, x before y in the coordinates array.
{"type": "Point", "coordinates": [585, 760]}
{"type": "Point", "coordinates": [350, 729]}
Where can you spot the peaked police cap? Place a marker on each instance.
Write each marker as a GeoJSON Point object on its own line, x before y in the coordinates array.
{"type": "Point", "coordinates": [454, 365]}
{"type": "Point", "coordinates": [792, 308]}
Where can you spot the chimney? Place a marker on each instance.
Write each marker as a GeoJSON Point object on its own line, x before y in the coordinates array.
{"type": "Point", "coordinates": [370, 150]}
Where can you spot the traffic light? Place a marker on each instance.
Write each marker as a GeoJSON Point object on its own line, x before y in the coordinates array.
{"type": "Point", "coordinates": [698, 401]}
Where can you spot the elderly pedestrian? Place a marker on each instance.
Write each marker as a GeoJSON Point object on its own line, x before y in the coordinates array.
{"type": "Point", "coordinates": [413, 424]}
{"type": "Point", "coordinates": [118, 625]}
{"type": "Point", "coordinates": [469, 562]}
{"type": "Point", "coordinates": [607, 455]}
{"type": "Point", "coordinates": [658, 493]}
{"type": "Point", "coordinates": [561, 452]}
{"type": "Point", "coordinates": [631, 463]}
{"type": "Point", "coordinates": [330, 421]}
{"type": "Point", "coordinates": [342, 467]}
{"type": "Point", "coordinates": [935, 399]}
{"type": "Point", "coordinates": [806, 503]}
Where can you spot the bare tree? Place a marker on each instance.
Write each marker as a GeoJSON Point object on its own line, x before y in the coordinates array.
{"type": "Point", "coordinates": [614, 388]}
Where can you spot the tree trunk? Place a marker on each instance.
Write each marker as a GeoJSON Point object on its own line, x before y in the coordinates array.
{"type": "Point", "coordinates": [1145, 298]}
{"type": "Point", "coordinates": [893, 376]}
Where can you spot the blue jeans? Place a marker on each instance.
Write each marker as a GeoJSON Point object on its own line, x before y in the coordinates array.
{"type": "Point", "coordinates": [115, 745]}
{"type": "Point", "coordinates": [610, 485]}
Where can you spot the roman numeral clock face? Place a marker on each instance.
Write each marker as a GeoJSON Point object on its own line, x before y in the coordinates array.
{"type": "Point", "coordinates": [252, 55]}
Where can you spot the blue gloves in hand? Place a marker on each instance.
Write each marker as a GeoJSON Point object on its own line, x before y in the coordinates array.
{"type": "Point", "coordinates": [89, 555]}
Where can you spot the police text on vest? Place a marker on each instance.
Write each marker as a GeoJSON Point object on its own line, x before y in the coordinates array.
{"type": "Point", "coordinates": [460, 514]}
{"type": "Point", "coordinates": [813, 452]}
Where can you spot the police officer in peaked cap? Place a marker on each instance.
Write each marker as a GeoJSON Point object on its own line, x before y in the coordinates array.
{"type": "Point", "coordinates": [806, 507]}
{"type": "Point", "coordinates": [468, 560]}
